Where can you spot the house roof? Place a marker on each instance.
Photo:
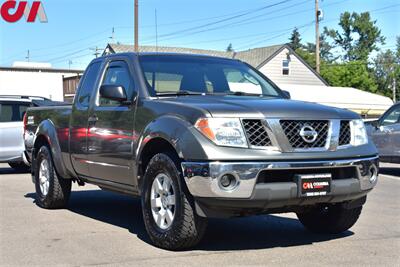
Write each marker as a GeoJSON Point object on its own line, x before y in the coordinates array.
{"type": "Point", "coordinates": [254, 57]}
{"type": "Point", "coordinates": [257, 57]}
{"type": "Point", "coordinates": [122, 48]}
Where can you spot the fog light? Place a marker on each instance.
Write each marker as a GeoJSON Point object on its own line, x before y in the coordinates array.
{"type": "Point", "coordinates": [373, 174]}
{"type": "Point", "coordinates": [228, 181]}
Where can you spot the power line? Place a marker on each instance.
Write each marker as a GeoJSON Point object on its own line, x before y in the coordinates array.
{"type": "Point", "coordinates": [238, 37]}
{"type": "Point", "coordinates": [275, 36]}
{"type": "Point", "coordinates": [197, 20]}
{"type": "Point", "coordinates": [67, 51]}
{"type": "Point", "coordinates": [249, 21]}
{"type": "Point", "coordinates": [70, 58]}
{"type": "Point", "coordinates": [54, 46]}
{"type": "Point", "coordinates": [67, 55]}
{"type": "Point", "coordinates": [222, 20]}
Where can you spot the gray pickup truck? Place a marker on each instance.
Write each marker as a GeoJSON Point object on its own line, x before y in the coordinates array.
{"type": "Point", "coordinates": [198, 137]}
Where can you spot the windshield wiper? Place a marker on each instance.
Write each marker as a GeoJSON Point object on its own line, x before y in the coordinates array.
{"type": "Point", "coordinates": [179, 93]}
{"type": "Point", "coordinates": [240, 93]}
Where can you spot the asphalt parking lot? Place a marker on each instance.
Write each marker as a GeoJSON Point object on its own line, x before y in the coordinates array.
{"type": "Point", "coordinates": [102, 228]}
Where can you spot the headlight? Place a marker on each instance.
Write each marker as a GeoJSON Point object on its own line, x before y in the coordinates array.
{"type": "Point", "coordinates": [358, 133]}
{"type": "Point", "coordinates": [223, 131]}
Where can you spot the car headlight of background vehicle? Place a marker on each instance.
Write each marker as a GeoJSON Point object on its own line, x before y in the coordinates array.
{"type": "Point", "coordinates": [358, 133]}
{"type": "Point", "coordinates": [223, 131]}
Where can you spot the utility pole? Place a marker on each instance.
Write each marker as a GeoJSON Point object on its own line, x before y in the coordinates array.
{"type": "Point", "coordinates": [136, 25]}
{"type": "Point", "coordinates": [394, 89]}
{"type": "Point", "coordinates": [28, 56]}
{"type": "Point", "coordinates": [317, 64]}
{"type": "Point", "coordinates": [69, 64]}
{"type": "Point", "coordinates": [96, 51]}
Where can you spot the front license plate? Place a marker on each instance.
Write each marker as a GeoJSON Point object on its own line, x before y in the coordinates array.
{"type": "Point", "coordinates": [314, 184]}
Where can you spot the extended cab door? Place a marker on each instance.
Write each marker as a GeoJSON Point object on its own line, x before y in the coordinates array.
{"type": "Point", "coordinates": [111, 133]}
{"type": "Point", "coordinates": [79, 118]}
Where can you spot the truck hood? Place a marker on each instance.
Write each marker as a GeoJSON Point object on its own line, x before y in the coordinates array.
{"type": "Point", "coordinates": [255, 107]}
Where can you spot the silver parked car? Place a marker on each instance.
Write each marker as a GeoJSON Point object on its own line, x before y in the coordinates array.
{"type": "Point", "coordinates": [385, 133]}
{"type": "Point", "coordinates": [12, 110]}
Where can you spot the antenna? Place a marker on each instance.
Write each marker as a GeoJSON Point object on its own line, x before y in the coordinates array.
{"type": "Point", "coordinates": [136, 26]}
{"type": "Point", "coordinates": [155, 18]}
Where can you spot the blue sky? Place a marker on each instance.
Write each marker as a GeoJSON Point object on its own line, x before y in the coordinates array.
{"type": "Point", "coordinates": [76, 27]}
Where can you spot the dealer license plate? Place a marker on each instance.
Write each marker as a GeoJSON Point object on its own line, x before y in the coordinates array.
{"type": "Point", "coordinates": [314, 184]}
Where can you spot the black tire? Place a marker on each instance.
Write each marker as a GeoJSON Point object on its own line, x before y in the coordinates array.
{"type": "Point", "coordinates": [59, 189]}
{"type": "Point", "coordinates": [19, 166]}
{"type": "Point", "coordinates": [332, 219]}
{"type": "Point", "coordinates": [187, 227]}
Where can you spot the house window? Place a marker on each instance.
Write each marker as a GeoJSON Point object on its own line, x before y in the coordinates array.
{"type": "Point", "coordinates": [285, 67]}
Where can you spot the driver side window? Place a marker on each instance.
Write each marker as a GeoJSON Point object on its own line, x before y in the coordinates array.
{"type": "Point", "coordinates": [392, 117]}
{"type": "Point", "coordinates": [117, 74]}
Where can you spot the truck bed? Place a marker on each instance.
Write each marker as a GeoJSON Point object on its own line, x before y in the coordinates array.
{"type": "Point", "coordinates": [57, 115]}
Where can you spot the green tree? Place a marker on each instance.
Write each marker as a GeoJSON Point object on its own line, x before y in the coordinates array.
{"type": "Point", "coordinates": [325, 49]}
{"type": "Point", "coordinates": [351, 74]}
{"type": "Point", "coordinates": [386, 69]}
{"type": "Point", "coordinates": [359, 37]}
{"type": "Point", "coordinates": [398, 46]}
{"type": "Point", "coordinates": [307, 55]}
{"type": "Point", "coordinates": [295, 40]}
{"type": "Point", "coordinates": [229, 48]}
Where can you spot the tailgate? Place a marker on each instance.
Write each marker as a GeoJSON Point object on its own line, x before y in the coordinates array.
{"type": "Point", "coordinates": [11, 140]}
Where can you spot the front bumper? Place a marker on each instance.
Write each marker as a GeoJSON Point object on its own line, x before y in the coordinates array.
{"type": "Point", "coordinates": [203, 179]}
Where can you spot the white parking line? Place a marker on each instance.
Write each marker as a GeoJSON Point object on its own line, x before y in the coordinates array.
{"type": "Point", "coordinates": [390, 177]}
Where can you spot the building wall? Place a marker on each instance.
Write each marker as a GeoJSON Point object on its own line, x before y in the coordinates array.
{"type": "Point", "coordinates": [45, 84]}
{"type": "Point", "coordinates": [298, 73]}
{"type": "Point", "coordinates": [70, 85]}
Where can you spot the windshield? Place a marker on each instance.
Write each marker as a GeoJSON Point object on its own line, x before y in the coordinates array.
{"type": "Point", "coordinates": [201, 75]}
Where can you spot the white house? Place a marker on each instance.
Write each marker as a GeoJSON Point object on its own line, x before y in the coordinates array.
{"type": "Point", "coordinates": [33, 79]}
{"type": "Point", "coordinates": [290, 72]}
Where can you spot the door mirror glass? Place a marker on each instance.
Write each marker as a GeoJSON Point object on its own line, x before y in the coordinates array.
{"type": "Point", "coordinates": [113, 92]}
{"type": "Point", "coordinates": [287, 94]}
{"type": "Point", "coordinates": [374, 124]}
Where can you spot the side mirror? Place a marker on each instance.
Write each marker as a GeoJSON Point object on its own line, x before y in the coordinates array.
{"type": "Point", "coordinates": [113, 92]}
{"type": "Point", "coordinates": [375, 123]}
{"type": "Point", "coordinates": [286, 93]}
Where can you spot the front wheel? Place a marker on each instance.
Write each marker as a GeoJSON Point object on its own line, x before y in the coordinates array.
{"type": "Point", "coordinates": [52, 191]}
{"type": "Point", "coordinates": [168, 212]}
{"type": "Point", "coordinates": [332, 219]}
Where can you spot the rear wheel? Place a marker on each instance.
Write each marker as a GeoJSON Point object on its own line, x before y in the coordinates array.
{"type": "Point", "coordinates": [168, 211]}
{"type": "Point", "coordinates": [52, 191]}
{"type": "Point", "coordinates": [19, 166]}
{"type": "Point", "coordinates": [332, 219]}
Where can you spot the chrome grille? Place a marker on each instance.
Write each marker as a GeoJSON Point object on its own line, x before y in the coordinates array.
{"type": "Point", "coordinates": [256, 133]}
{"type": "Point", "coordinates": [292, 129]}
{"type": "Point", "coordinates": [345, 133]}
